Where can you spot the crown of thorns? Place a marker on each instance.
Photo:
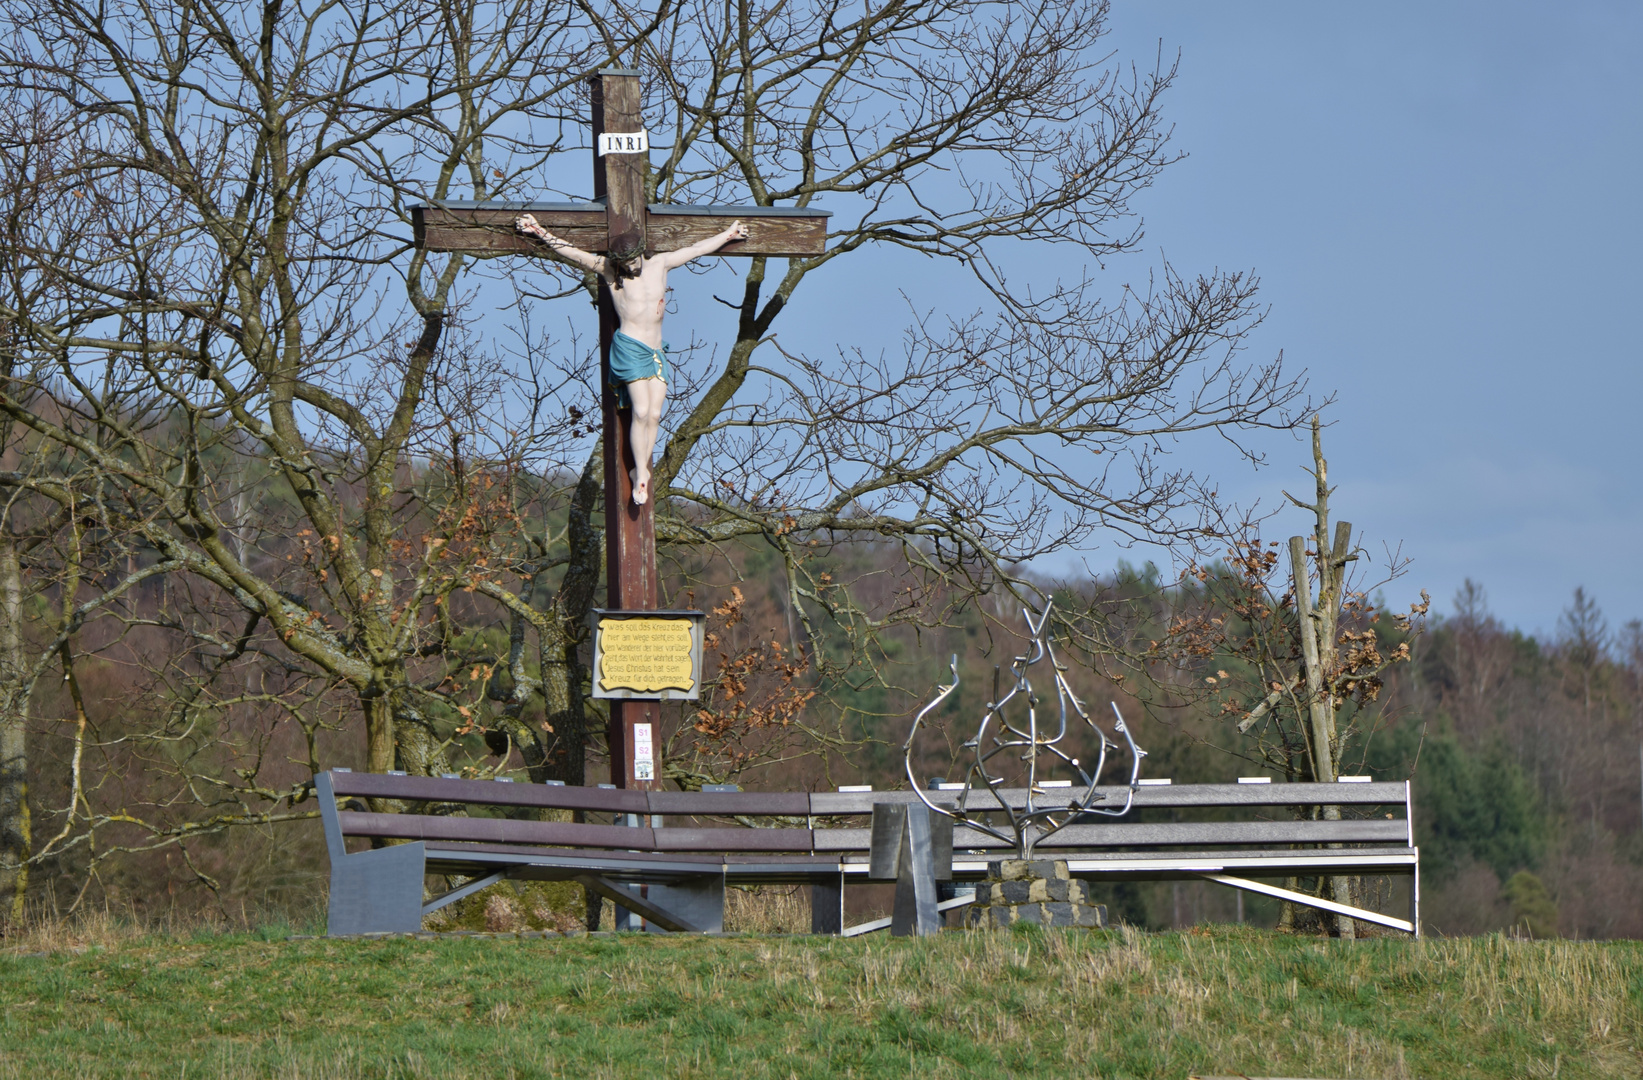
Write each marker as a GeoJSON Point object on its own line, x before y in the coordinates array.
{"type": "Point", "coordinates": [623, 258]}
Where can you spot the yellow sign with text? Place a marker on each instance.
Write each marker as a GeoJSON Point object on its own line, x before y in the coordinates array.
{"type": "Point", "coordinates": [645, 656]}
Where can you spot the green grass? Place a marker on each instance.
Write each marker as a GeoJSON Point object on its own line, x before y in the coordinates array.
{"type": "Point", "coordinates": [983, 1004]}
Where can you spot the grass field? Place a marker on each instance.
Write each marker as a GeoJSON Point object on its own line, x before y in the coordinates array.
{"type": "Point", "coordinates": [1059, 1004]}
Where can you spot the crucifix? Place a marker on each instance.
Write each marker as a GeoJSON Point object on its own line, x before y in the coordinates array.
{"type": "Point", "coordinates": [619, 220]}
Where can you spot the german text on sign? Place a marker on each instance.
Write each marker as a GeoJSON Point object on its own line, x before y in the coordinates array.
{"type": "Point", "coordinates": [646, 655]}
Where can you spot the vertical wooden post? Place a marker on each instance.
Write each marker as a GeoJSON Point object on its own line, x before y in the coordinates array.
{"type": "Point", "coordinates": [630, 531]}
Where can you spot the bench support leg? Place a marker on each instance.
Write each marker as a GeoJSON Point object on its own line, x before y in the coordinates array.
{"type": "Point", "coordinates": [464, 890]}
{"type": "Point", "coordinates": [628, 897]}
{"type": "Point", "coordinates": [377, 891]}
{"type": "Point", "coordinates": [1313, 901]}
{"type": "Point", "coordinates": [1415, 900]}
{"type": "Point", "coordinates": [915, 911]}
{"type": "Point", "coordinates": [827, 905]}
{"type": "Point", "coordinates": [958, 901]}
{"type": "Point", "coordinates": [699, 901]}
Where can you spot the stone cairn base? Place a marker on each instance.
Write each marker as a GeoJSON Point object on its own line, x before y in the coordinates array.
{"type": "Point", "coordinates": [1037, 891]}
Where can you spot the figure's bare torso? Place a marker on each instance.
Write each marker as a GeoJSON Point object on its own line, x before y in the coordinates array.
{"type": "Point", "coordinates": [642, 301]}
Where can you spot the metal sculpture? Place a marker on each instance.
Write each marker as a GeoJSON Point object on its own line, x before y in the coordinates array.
{"type": "Point", "coordinates": [1034, 814]}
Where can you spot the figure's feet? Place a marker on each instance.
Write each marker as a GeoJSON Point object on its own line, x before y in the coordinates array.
{"type": "Point", "coordinates": [641, 486]}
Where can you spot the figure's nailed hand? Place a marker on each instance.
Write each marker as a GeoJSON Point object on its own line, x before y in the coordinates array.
{"type": "Point", "coordinates": [738, 231]}
{"type": "Point", "coordinates": [528, 225]}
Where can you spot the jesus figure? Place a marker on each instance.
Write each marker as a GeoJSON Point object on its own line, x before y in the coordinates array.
{"type": "Point", "coordinates": [638, 355]}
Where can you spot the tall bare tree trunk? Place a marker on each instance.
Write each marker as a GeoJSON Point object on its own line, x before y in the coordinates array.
{"type": "Point", "coordinates": [1318, 624]}
{"type": "Point", "coordinates": [16, 841]}
{"type": "Point", "coordinates": [558, 749]}
{"type": "Point", "coordinates": [380, 749]}
{"type": "Point", "coordinates": [566, 742]}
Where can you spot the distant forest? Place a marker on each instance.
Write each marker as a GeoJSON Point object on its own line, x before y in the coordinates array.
{"type": "Point", "coordinates": [194, 759]}
{"type": "Point", "coordinates": [1525, 755]}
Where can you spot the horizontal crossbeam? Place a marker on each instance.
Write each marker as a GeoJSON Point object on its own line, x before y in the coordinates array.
{"type": "Point", "coordinates": [487, 228]}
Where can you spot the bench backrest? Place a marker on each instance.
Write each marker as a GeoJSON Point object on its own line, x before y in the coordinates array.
{"type": "Point", "coordinates": [1388, 828]}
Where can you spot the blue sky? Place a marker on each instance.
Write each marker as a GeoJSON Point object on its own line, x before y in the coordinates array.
{"type": "Point", "coordinates": [1442, 202]}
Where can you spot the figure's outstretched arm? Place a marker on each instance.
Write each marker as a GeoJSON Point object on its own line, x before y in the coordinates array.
{"type": "Point", "coordinates": [563, 249]}
{"type": "Point", "coordinates": [737, 231]}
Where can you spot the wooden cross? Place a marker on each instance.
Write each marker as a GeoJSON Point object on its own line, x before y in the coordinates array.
{"type": "Point", "coordinates": [618, 219]}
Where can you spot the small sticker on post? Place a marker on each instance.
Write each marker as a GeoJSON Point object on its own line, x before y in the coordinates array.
{"type": "Point", "coordinates": [636, 142]}
{"type": "Point", "coordinates": [644, 755]}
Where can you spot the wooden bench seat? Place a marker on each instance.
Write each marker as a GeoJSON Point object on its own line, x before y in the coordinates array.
{"type": "Point", "coordinates": [568, 834]}
{"type": "Point", "coordinates": [658, 858]}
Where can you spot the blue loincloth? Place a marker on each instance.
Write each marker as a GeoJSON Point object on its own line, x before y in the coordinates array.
{"type": "Point", "coordinates": [632, 360]}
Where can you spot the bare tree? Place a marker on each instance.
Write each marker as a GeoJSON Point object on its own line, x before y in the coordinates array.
{"type": "Point", "coordinates": [227, 301]}
{"type": "Point", "coordinates": [240, 178]}
{"type": "Point", "coordinates": [1289, 653]}
{"type": "Point", "coordinates": [60, 566]}
{"type": "Point", "coordinates": [963, 133]}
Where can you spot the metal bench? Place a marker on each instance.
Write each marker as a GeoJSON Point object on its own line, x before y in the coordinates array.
{"type": "Point", "coordinates": [673, 874]}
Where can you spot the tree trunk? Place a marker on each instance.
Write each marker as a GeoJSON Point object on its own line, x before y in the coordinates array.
{"type": "Point", "coordinates": [16, 841]}
{"type": "Point", "coordinates": [1320, 726]}
{"type": "Point", "coordinates": [1286, 912]}
{"type": "Point", "coordinates": [417, 747]}
{"type": "Point", "coordinates": [564, 741]}
{"type": "Point", "coordinates": [1317, 625]}
{"type": "Point", "coordinates": [562, 670]}
{"type": "Point", "coordinates": [381, 753]}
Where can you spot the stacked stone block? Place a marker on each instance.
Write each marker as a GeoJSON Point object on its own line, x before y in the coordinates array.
{"type": "Point", "coordinates": [1037, 891]}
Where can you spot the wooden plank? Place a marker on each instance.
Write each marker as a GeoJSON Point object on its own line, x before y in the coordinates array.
{"type": "Point", "coordinates": [488, 229]}
{"type": "Point", "coordinates": [1216, 832]}
{"type": "Point", "coordinates": [616, 108]}
{"type": "Point", "coordinates": [778, 236]}
{"type": "Point", "coordinates": [861, 802]}
{"type": "Point", "coordinates": [1202, 796]}
{"type": "Point", "coordinates": [796, 804]}
{"type": "Point", "coordinates": [630, 531]}
{"type": "Point", "coordinates": [732, 840]}
{"type": "Point", "coordinates": [1161, 834]}
{"type": "Point", "coordinates": [764, 803]}
{"type": "Point", "coordinates": [487, 793]}
{"type": "Point", "coordinates": [1234, 795]}
{"type": "Point", "coordinates": [506, 831]}
{"type": "Point", "coordinates": [656, 865]}
{"type": "Point", "coordinates": [844, 840]}
{"type": "Point", "coordinates": [493, 830]}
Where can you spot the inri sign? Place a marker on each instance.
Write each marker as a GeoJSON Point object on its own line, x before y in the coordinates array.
{"type": "Point", "coordinates": [636, 143]}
